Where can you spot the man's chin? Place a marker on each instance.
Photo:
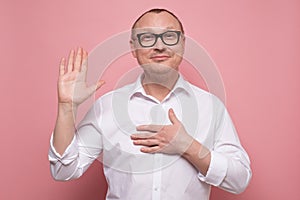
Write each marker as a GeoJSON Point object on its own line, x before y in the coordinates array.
{"type": "Point", "coordinates": [158, 69]}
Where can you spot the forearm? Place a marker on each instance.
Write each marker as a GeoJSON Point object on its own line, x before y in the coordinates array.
{"type": "Point", "coordinates": [199, 156]}
{"type": "Point", "coordinates": [78, 152]}
{"type": "Point", "coordinates": [64, 128]}
{"type": "Point", "coordinates": [233, 174]}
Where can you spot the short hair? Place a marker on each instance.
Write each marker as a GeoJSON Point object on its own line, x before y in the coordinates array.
{"type": "Point", "coordinates": [158, 10]}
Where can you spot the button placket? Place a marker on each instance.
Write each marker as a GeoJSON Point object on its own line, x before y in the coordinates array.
{"type": "Point", "coordinates": [157, 173]}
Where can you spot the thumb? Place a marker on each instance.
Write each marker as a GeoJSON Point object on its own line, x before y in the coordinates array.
{"type": "Point", "coordinates": [99, 84]}
{"type": "Point", "coordinates": [92, 89]}
{"type": "Point", "coordinates": [172, 116]}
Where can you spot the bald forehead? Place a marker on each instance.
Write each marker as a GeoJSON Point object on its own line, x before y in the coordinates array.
{"type": "Point", "coordinates": [162, 20]}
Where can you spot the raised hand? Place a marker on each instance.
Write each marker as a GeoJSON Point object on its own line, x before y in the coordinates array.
{"type": "Point", "coordinates": [72, 91]}
{"type": "Point", "coordinates": [72, 86]}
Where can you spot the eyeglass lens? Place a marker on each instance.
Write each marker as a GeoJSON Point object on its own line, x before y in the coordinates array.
{"type": "Point", "coordinates": [149, 39]}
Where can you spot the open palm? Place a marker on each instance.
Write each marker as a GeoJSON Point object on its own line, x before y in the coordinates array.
{"type": "Point", "coordinates": [72, 86]}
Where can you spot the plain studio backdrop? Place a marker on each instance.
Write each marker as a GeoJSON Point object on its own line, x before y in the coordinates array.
{"type": "Point", "coordinates": [255, 45]}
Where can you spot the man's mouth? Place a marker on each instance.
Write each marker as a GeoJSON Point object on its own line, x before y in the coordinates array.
{"type": "Point", "coordinates": [160, 57]}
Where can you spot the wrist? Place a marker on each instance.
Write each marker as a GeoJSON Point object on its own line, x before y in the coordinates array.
{"type": "Point", "coordinates": [192, 150]}
{"type": "Point", "coordinates": [64, 108]}
{"type": "Point", "coordinates": [198, 155]}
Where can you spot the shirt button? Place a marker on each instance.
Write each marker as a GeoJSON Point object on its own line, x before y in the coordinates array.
{"type": "Point", "coordinates": [156, 189]}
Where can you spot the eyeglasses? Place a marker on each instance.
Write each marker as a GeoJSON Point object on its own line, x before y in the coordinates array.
{"type": "Point", "coordinates": [169, 38]}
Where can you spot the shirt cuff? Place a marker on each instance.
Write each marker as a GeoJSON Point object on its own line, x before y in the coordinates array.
{"type": "Point", "coordinates": [217, 169]}
{"type": "Point", "coordinates": [68, 156]}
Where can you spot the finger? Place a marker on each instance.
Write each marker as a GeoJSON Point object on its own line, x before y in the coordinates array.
{"type": "Point", "coordinates": [173, 117]}
{"type": "Point", "coordinates": [78, 59]}
{"type": "Point", "coordinates": [92, 89]}
{"type": "Point", "coordinates": [70, 62]}
{"type": "Point", "coordinates": [154, 149]}
{"type": "Point", "coordinates": [150, 127]}
{"type": "Point", "coordinates": [147, 142]}
{"type": "Point", "coordinates": [84, 61]}
{"type": "Point", "coordinates": [99, 84]}
{"type": "Point", "coordinates": [139, 136]}
{"type": "Point", "coordinates": [62, 67]}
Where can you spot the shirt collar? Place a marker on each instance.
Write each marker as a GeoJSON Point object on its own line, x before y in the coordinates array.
{"type": "Point", "coordinates": [181, 86]}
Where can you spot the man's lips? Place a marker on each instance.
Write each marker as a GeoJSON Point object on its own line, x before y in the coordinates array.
{"type": "Point", "coordinates": [160, 57]}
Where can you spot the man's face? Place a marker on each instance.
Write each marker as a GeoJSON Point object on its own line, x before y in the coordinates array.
{"type": "Point", "coordinates": [161, 56]}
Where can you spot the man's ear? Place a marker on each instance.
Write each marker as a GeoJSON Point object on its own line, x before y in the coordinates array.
{"type": "Point", "coordinates": [132, 48]}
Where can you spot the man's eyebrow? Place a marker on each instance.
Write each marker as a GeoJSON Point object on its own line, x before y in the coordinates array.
{"type": "Point", "coordinates": [170, 27]}
{"type": "Point", "coordinates": [135, 31]}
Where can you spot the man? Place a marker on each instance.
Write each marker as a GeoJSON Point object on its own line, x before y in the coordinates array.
{"type": "Point", "coordinates": [160, 137]}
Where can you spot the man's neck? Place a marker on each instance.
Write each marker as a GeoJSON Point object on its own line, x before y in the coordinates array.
{"type": "Point", "coordinates": [159, 86]}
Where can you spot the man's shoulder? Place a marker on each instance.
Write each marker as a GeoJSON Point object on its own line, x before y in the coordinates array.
{"type": "Point", "coordinates": [204, 95]}
{"type": "Point", "coordinates": [199, 91]}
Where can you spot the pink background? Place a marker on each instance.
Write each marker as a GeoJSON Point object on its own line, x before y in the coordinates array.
{"type": "Point", "coordinates": [255, 44]}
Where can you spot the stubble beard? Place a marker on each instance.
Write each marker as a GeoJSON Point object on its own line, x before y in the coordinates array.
{"type": "Point", "coordinates": [161, 74]}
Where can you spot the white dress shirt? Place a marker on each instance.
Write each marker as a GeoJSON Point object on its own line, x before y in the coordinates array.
{"type": "Point", "coordinates": [105, 131]}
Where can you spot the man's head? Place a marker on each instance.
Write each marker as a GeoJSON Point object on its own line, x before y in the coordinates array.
{"type": "Point", "coordinates": [158, 10]}
{"type": "Point", "coordinates": [157, 38]}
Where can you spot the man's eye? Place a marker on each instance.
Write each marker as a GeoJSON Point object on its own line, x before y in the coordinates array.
{"type": "Point", "coordinates": [169, 35]}
{"type": "Point", "coordinates": [147, 37]}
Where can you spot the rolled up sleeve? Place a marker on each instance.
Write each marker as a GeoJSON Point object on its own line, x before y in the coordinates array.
{"type": "Point", "coordinates": [85, 147]}
{"type": "Point", "coordinates": [62, 167]}
{"type": "Point", "coordinates": [217, 170]}
{"type": "Point", "coordinates": [229, 168]}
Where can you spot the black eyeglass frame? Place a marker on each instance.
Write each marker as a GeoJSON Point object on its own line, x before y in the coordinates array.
{"type": "Point", "coordinates": [159, 36]}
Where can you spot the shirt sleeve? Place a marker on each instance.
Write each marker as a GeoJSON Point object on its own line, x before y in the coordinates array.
{"type": "Point", "coordinates": [230, 165]}
{"type": "Point", "coordinates": [85, 147]}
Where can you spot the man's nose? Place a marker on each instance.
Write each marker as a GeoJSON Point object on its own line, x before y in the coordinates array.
{"type": "Point", "coordinates": [159, 45]}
